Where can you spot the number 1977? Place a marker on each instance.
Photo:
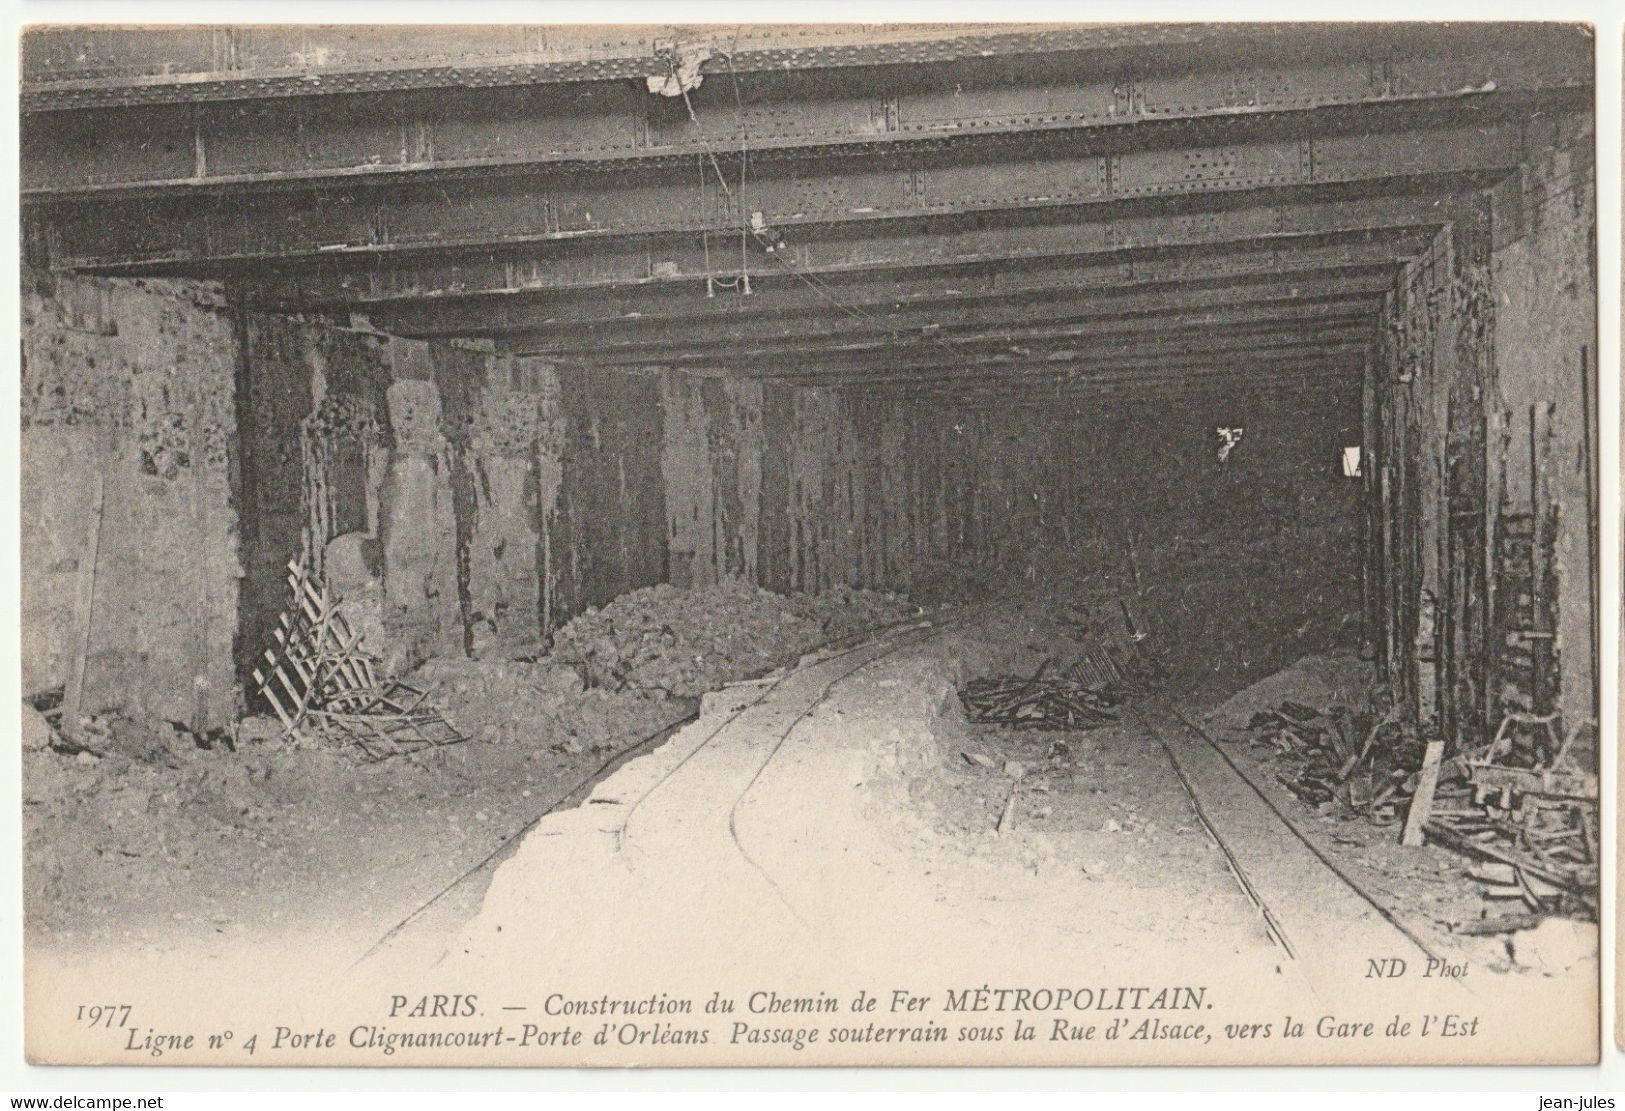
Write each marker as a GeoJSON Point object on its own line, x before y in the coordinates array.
{"type": "Point", "coordinates": [109, 1015]}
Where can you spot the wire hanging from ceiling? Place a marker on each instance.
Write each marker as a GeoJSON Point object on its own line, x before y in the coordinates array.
{"type": "Point", "coordinates": [930, 331]}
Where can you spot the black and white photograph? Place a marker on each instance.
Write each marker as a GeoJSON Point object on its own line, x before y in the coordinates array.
{"type": "Point", "coordinates": [787, 544]}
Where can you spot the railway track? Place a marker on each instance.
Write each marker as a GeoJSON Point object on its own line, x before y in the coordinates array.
{"type": "Point", "coordinates": [732, 758]}
{"type": "Point", "coordinates": [438, 913]}
{"type": "Point", "coordinates": [1325, 924]}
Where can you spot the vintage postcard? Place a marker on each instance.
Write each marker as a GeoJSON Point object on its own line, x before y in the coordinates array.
{"type": "Point", "coordinates": [767, 544]}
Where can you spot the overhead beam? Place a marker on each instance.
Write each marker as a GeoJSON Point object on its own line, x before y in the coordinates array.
{"type": "Point", "coordinates": [915, 363]}
{"type": "Point", "coordinates": [695, 344]}
{"type": "Point", "coordinates": [465, 130]}
{"type": "Point", "coordinates": [997, 353]}
{"type": "Point", "coordinates": [628, 314]}
{"type": "Point", "coordinates": [378, 221]}
{"type": "Point", "coordinates": [1075, 305]}
{"type": "Point", "coordinates": [196, 64]}
{"type": "Point", "coordinates": [1261, 376]}
{"type": "Point", "coordinates": [949, 247]}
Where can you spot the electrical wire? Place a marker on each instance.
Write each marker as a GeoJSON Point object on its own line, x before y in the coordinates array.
{"type": "Point", "coordinates": [737, 202]}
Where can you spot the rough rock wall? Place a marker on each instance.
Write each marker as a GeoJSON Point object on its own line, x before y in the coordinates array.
{"type": "Point", "coordinates": [711, 462]}
{"type": "Point", "coordinates": [418, 528]}
{"type": "Point", "coordinates": [473, 502]}
{"type": "Point", "coordinates": [607, 531]}
{"type": "Point", "coordinates": [514, 428]}
{"type": "Point", "coordinates": [1477, 387]}
{"type": "Point", "coordinates": [128, 525]}
{"type": "Point", "coordinates": [1544, 270]}
{"type": "Point", "coordinates": [515, 495]}
{"type": "Point", "coordinates": [827, 496]}
{"type": "Point", "coordinates": [313, 429]}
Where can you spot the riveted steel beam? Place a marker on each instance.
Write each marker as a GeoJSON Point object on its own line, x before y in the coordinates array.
{"type": "Point", "coordinates": [304, 141]}
{"type": "Point", "coordinates": [1074, 306]}
{"type": "Point", "coordinates": [68, 67]}
{"type": "Point", "coordinates": [641, 313]}
{"type": "Point", "coordinates": [78, 66]}
{"type": "Point", "coordinates": [694, 345]}
{"type": "Point", "coordinates": [1084, 396]}
{"type": "Point", "coordinates": [1333, 370]}
{"type": "Point", "coordinates": [954, 249]}
{"type": "Point", "coordinates": [932, 362]}
{"type": "Point", "coordinates": [998, 351]}
{"type": "Point", "coordinates": [1331, 374]}
{"type": "Point", "coordinates": [379, 221]}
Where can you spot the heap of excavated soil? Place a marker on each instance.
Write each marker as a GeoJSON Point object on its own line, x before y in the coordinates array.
{"type": "Point", "coordinates": [687, 642]}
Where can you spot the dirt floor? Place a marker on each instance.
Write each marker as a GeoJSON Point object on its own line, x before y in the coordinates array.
{"type": "Point", "coordinates": [158, 843]}
{"type": "Point", "coordinates": [153, 842]}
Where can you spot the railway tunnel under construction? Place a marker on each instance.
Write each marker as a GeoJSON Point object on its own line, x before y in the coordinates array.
{"type": "Point", "coordinates": [532, 497]}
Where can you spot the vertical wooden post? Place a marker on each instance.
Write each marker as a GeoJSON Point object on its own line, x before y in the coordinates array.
{"type": "Point", "coordinates": [84, 603]}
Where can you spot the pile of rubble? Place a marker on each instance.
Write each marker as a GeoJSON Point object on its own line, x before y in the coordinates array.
{"type": "Point", "coordinates": [541, 702]}
{"type": "Point", "coordinates": [844, 611]}
{"type": "Point", "coordinates": [1059, 703]}
{"type": "Point", "coordinates": [1107, 660]}
{"type": "Point", "coordinates": [686, 642]}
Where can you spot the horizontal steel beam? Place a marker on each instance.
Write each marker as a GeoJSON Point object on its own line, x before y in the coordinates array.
{"type": "Point", "coordinates": [998, 353]}
{"type": "Point", "coordinates": [628, 315]}
{"type": "Point", "coordinates": [1017, 240]}
{"type": "Point", "coordinates": [1067, 307]}
{"type": "Point", "coordinates": [378, 221]}
{"type": "Point", "coordinates": [924, 362]}
{"type": "Point", "coordinates": [679, 344]}
{"type": "Point", "coordinates": [1224, 391]}
{"type": "Point", "coordinates": [1227, 399]}
{"type": "Point", "coordinates": [465, 131]}
{"type": "Point", "coordinates": [1266, 374]}
{"type": "Point", "coordinates": [80, 67]}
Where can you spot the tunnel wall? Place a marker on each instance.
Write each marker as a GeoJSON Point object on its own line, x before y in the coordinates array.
{"type": "Point", "coordinates": [177, 454]}
{"type": "Point", "coordinates": [128, 530]}
{"type": "Point", "coordinates": [1482, 519]}
{"type": "Point", "coordinates": [506, 495]}
{"type": "Point", "coordinates": [1544, 269]}
{"type": "Point", "coordinates": [845, 487]}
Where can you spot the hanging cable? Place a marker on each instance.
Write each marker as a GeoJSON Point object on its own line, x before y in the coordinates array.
{"type": "Point", "coordinates": [705, 236]}
{"type": "Point", "coordinates": [737, 202]}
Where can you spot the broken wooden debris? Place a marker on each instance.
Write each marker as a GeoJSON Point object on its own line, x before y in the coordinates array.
{"type": "Point", "coordinates": [1084, 696]}
{"type": "Point", "coordinates": [1037, 703]}
{"type": "Point", "coordinates": [1522, 804]}
{"type": "Point", "coordinates": [321, 682]}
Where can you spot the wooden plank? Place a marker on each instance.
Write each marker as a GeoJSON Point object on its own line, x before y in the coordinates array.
{"type": "Point", "coordinates": [1422, 801]}
{"type": "Point", "coordinates": [84, 607]}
